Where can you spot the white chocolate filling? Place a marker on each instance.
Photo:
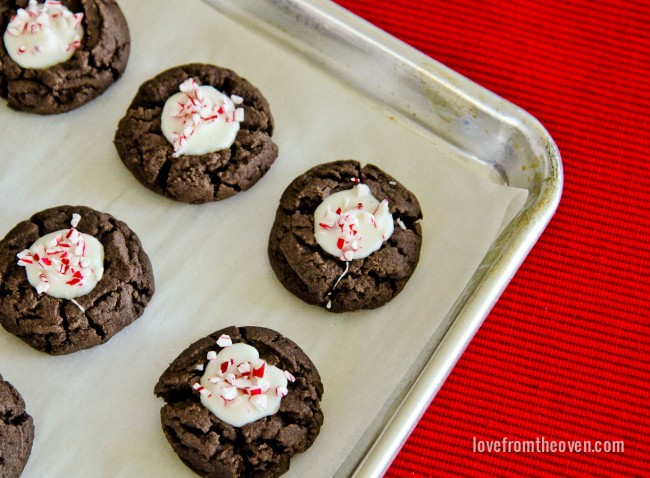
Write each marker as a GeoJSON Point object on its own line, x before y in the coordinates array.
{"type": "Point", "coordinates": [64, 264]}
{"type": "Point", "coordinates": [200, 119]}
{"type": "Point", "coordinates": [352, 224]}
{"type": "Point", "coordinates": [239, 387]}
{"type": "Point", "coordinates": [43, 35]}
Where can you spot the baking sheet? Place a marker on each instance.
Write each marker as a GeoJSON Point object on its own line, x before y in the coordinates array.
{"type": "Point", "coordinates": [94, 411]}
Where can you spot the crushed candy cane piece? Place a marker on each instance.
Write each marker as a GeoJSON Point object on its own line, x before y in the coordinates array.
{"type": "Point", "coordinates": [228, 393]}
{"type": "Point", "coordinates": [244, 367]}
{"type": "Point", "coordinates": [199, 388]}
{"type": "Point", "coordinates": [243, 383]}
{"type": "Point", "coordinates": [260, 401]}
{"type": "Point", "coordinates": [43, 283]}
{"type": "Point", "coordinates": [254, 390]}
{"type": "Point", "coordinates": [264, 384]}
{"type": "Point", "coordinates": [260, 370]}
{"type": "Point", "coordinates": [224, 367]}
{"type": "Point", "coordinates": [75, 219]}
{"type": "Point", "coordinates": [224, 341]}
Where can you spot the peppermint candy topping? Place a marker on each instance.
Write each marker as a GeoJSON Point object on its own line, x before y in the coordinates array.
{"type": "Point", "coordinates": [43, 35]}
{"type": "Point", "coordinates": [64, 264]}
{"type": "Point", "coordinates": [240, 386]}
{"type": "Point", "coordinates": [352, 224]}
{"type": "Point", "coordinates": [201, 119]}
{"type": "Point", "coordinates": [224, 341]}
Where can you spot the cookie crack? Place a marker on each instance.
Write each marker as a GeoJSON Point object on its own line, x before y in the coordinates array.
{"type": "Point", "coordinates": [18, 421]}
{"type": "Point", "coordinates": [216, 181]}
{"type": "Point", "coordinates": [140, 293]}
{"type": "Point", "coordinates": [409, 222]}
{"type": "Point", "coordinates": [39, 225]}
{"type": "Point", "coordinates": [99, 330]}
{"type": "Point", "coordinates": [7, 417]}
{"type": "Point", "coordinates": [115, 72]}
{"type": "Point", "coordinates": [175, 437]}
{"type": "Point", "coordinates": [163, 174]}
{"type": "Point", "coordinates": [197, 432]}
{"type": "Point", "coordinates": [179, 394]}
{"type": "Point", "coordinates": [91, 49]}
{"type": "Point", "coordinates": [64, 318]}
{"type": "Point", "coordinates": [302, 242]}
{"type": "Point", "coordinates": [19, 308]}
{"type": "Point", "coordinates": [380, 279]}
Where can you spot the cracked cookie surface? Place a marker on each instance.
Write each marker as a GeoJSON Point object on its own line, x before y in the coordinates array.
{"type": "Point", "coordinates": [97, 64]}
{"type": "Point", "coordinates": [310, 273]}
{"type": "Point", "coordinates": [58, 326]}
{"type": "Point", "coordinates": [146, 152]}
{"type": "Point", "coordinates": [16, 432]}
{"type": "Point", "coordinates": [263, 448]}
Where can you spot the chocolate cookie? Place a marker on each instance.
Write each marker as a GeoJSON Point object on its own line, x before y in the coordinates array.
{"type": "Point", "coordinates": [16, 432]}
{"type": "Point", "coordinates": [199, 177]}
{"type": "Point", "coordinates": [43, 314]}
{"type": "Point", "coordinates": [338, 280]}
{"type": "Point", "coordinates": [210, 445]}
{"type": "Point", "coordinates": [101, 52]}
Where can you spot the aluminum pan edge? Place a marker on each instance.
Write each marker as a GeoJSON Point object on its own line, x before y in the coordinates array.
{"type": "Point", "coordinates": [439, 100]}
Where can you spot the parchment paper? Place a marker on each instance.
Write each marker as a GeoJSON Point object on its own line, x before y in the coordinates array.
{"type": "Point", "coordinates": [94, 411]}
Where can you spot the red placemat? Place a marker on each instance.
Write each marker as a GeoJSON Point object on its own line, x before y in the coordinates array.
{"type": "Point", "coordinates": [563, 359]}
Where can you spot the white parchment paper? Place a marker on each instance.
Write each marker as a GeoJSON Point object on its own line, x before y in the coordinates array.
{"type": "Point", "coordinates": [94, 411]}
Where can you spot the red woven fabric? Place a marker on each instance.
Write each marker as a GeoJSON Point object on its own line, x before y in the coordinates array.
{"type": "Point", "coordinates": [564, 355]}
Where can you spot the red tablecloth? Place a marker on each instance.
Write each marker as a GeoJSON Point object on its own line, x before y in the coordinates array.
{"type": "Point", "coordinates": [564, 355]}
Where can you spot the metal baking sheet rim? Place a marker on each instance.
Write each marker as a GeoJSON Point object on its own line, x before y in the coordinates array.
{"type": "Point", "coordinates": [507, 253]}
